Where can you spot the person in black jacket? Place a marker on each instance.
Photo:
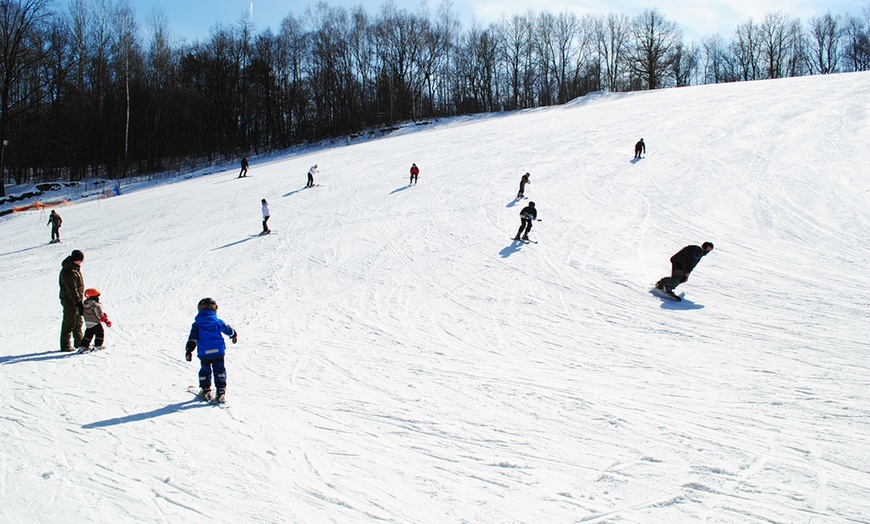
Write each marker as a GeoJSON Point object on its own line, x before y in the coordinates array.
{"type": "Point", "coordinates": [244, 171]}
{"type": "Point", "coordinates": [527, 216]}
{"type": "Point", "coordinates": [682, 263]}
{"type": "Point", "coordinates": [639, 148]}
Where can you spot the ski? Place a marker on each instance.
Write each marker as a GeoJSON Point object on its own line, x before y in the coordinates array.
{"type": "Point", "coordinates": [195, 392]}
{"type": "Point", "coordinates": [525, 241]}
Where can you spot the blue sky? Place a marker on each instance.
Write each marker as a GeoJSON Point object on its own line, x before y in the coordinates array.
{"type": "Point", "coordinates": [192, 19]}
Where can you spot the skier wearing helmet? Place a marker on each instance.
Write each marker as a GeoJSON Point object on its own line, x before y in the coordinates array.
{"type": "Point", "coordinates": [94, 317]}
{"type": "Point", "coordinates": [682, 264]}
{"type": "Point", "coordinates": [205, 337]}
{"type": "Point", "coordinates": [527, 216]}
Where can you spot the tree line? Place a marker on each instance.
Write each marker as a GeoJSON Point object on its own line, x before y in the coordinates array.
{"type": "Point", "coordinates": [93, 92]}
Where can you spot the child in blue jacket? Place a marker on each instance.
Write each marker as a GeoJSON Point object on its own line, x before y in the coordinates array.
{"type": "Point", "coordinates": [206, 335]}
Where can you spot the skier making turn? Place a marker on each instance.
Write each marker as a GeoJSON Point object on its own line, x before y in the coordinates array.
{"type": "Point", "coordinates": [205, 337]}
{"type": "Point", "coordinates": [528, 215]}
{"type": "Point", "coordinates": [523, 181]}
{"type": "Point", "coordinates": [682, 264]}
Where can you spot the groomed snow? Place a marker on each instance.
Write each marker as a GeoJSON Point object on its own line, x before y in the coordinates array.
{"type": "Point", "coordinates": [402, 360]}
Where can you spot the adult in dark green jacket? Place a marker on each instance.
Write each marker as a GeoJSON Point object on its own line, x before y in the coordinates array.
{"type": "Point", "coordinates": [72, 293]}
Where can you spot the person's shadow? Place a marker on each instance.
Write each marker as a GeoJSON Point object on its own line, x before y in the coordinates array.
{"type": "Point", "coordinates": [511, 249]}
{"type": "Point", "coordinates": [295, 191]}
{"type": "Point", "coordinates": [138, 417]}
{"type": "Point", "coordinates": [635, 160]}
{"type": "Point", "coordinates": [399, 189]}
{"type": "Point", "coordinates": [35, 357]}
{"type": "Point", "coordinates": [513, 202]}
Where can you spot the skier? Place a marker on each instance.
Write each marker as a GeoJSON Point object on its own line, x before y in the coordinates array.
{"type": "Point", "coordinates": [55, 221]}
{"type": "Point", "coordinates": [94, 317]}
{"type": "Point", "coordinates": [205, 337]}
{"type": "Point", "coordinates": [527, 216]}
{"type": "Point", "coordinates": [523, 181]}
{"type": "Point", "coordinates": [682, 263]}
{"type": "Point", "coordinates": [266, 215]}
{"type": "Point", "coordinates": [639, 148]}
{"type": "Point", "coordinates": [414, 172]}
{"type": "Point", "coordinates": [311, 173]}
{"type": "Point", "coordinates": [244, 171]}
{"type": "Point", "coordinates": [72, 293]}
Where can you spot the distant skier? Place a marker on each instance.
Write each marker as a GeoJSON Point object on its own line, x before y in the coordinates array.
{"type": "Point", "coordinates": [244, 171]}
{"type": "Point", "coordinates": [311, 173]}
{"type": "Point", "coordinates": [414, 172]}
{"type": "Point", "coordinates": [682, 264]}
{"type": "Point", "coordinates": [205, 337]}
{"type": "Point", "coordinates": [72, 293]}
{"type": "Point", "coordinates": [94, 317]}
{"type": "Point", "coordinates": [523, 181]}
{"type": "Point", "coordinates": [639, 148]}
{"type": "Point", "coordinates": [528, 215]}
{"type": "Point", "coordinates": [55, 221]}
{"type": "Point", "coordinates": [266, 215]}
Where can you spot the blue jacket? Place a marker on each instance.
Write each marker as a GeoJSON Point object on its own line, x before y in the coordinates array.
{"type": "Point", "coordinates": [206, 331]}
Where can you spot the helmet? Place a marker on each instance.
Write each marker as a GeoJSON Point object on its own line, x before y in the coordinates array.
{"type": "Point", "coordinates": [531, 204]}
{"type": "Point", "coordinates": [707, 246]}
{"type": "Point", "coordinates": [92, 292]}
{"type": "Point", "coordinates": [263, 201]}
{"type": "Point", "coordinates": [207, 303]}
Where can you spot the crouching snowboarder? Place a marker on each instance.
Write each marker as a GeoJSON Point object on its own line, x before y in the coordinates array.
{"type": "Point", "coordinates": [205, 337]}
{"type": "Point", "coordinates": [682, 264]}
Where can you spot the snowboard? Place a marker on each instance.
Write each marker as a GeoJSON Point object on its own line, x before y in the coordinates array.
{"type": "Point", "coordinates": [665, 295]}
{"type": "Point", "coordinates": [90, 349]}
{"type": "Point", "coordinates": [194, 390]}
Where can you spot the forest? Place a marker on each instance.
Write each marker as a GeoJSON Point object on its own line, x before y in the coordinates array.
{"type": "Point", "coordinates": [96, 91]}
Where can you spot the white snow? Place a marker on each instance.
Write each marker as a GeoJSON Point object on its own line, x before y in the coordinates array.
{"type": "Point", "coordinates": [402, 360]}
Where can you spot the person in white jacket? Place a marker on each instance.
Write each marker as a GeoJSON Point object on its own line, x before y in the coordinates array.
{"type": "Point", "coordinates": [266, 215]}
{"type": "Point", "coordinates": [311, 173]}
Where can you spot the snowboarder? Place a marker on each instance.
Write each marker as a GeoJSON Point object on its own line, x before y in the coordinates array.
{"type": "Point", "coordinates": [244, 171]}
{"type": "Point", "coordinates": [682, 263]}
{"type": "Point", "coordinates": [523, 181]}
{"type": "Point", "coordinates": [266, 215]}
{"type": "Point", "coordinates": [311, 173]}
{"type": "Point", "coordinates": [55, 221]}
{"type": "Point", "coordinates": [527, 216]}
{"type": "Point", "coordinates": [639, 148]}
{"type": "Point", "coordinates": [72, 293]}
{"type": "Point", "coordinates": [414, 172]}
{"type": "Point", "coordinates": [94, 317]}
{"type": "Point", "coordinates": [205, 337]}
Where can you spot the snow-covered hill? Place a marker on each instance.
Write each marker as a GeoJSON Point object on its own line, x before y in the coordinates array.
{"type": "Point", "coordinates": [402, 360]}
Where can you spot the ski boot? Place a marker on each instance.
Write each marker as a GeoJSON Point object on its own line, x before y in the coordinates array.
{"type": "Point", "coordinates": [221, 397]}
{"type": "Point", "coordinates": [205, 394]}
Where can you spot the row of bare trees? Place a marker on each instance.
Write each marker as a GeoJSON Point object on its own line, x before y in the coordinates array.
{"type": "Point", "coordinates": [91, 91]}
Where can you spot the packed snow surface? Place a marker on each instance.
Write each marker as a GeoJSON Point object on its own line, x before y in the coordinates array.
{"type": "Point", "coordinates": [401, 359]}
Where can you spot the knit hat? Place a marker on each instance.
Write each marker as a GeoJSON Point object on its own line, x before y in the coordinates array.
{"type": "Point", "coordinates": [77, 255]}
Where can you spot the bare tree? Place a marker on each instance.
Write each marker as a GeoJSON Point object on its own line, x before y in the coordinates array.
{"type": "Point", "coordinates": [825, 33]}
{"type": "Point", "coordinates": [654, 39]}
{"type": "Point", "coordinates": [612, 33]}
{"type": "Point", "coordinates": [747, 50]}
{"type": "Point", "coordinates": [20, 22]}
{"type": "Point", "coordinates": [856, 48]}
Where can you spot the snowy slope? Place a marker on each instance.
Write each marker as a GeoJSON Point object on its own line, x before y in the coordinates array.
{"type": "Point", "coordinates": [402, 360]}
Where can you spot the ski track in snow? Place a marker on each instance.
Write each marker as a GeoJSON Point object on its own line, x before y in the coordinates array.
{"type": "Point", "coordinates": [400, 360]}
